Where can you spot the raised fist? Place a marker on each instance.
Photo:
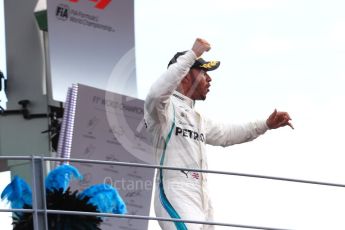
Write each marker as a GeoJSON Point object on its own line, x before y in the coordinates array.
{"type": "Point", "coordinates": [200, 46]}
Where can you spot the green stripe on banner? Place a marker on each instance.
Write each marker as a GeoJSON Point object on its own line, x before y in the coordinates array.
{"type": "Point", "coordinates": [42, 20]}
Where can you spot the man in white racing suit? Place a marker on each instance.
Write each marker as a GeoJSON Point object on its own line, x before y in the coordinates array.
{"type": "Point", "coordinates": [179, 135]}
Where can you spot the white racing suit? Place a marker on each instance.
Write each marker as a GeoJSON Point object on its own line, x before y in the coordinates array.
{"type": "Point", "coordinates": [179, 135]}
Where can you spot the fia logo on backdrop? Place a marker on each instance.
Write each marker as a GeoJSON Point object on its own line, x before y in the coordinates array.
{"type": "Point", "coordinates": [62, 12]}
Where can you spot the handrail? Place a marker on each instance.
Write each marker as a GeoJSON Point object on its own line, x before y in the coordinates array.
{"type": "Point", "coordinates": [46, 211]}
{"type": "Point", "coordinates": [174, 168]}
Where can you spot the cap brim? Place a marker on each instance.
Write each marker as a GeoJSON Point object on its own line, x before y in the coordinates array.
{"type": "Point", "coordinates": [207, 66]}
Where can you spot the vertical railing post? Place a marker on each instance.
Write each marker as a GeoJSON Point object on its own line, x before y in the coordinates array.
{"type": "Point", "coordinates": [43, 174]}
{"type": "Point", "coordinates": [37, 194]}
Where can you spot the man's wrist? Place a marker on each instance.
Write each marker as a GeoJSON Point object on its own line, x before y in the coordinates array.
{"type": "Point", "coordinates": [193, 52]}
{"type": "Point", "coordinates": [267, 124]}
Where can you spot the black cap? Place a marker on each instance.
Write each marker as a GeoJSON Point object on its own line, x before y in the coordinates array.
{"type": "Point", "coordinates": [198, 64]}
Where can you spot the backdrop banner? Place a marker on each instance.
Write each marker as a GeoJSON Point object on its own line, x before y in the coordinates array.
{"type": "Point", "coordinates": [90, 41]}
{"type": "Point", "coordinates": [106, 126]}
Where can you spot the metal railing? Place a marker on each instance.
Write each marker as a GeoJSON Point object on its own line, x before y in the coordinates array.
{"type": "Point", "coordinates": [40, 211]}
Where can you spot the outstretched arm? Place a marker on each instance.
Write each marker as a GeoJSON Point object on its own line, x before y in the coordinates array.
{"type": "Point", "coordinates": [220, 134]}
{"type": "Point", "coordinates": [225, 134]}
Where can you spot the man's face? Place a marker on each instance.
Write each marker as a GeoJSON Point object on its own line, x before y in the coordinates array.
{"type": "Point", "coordinates": [199, 85]}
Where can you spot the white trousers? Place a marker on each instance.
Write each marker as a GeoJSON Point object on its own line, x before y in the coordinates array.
{"type": "Point", "coordinates": [187, 200]}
